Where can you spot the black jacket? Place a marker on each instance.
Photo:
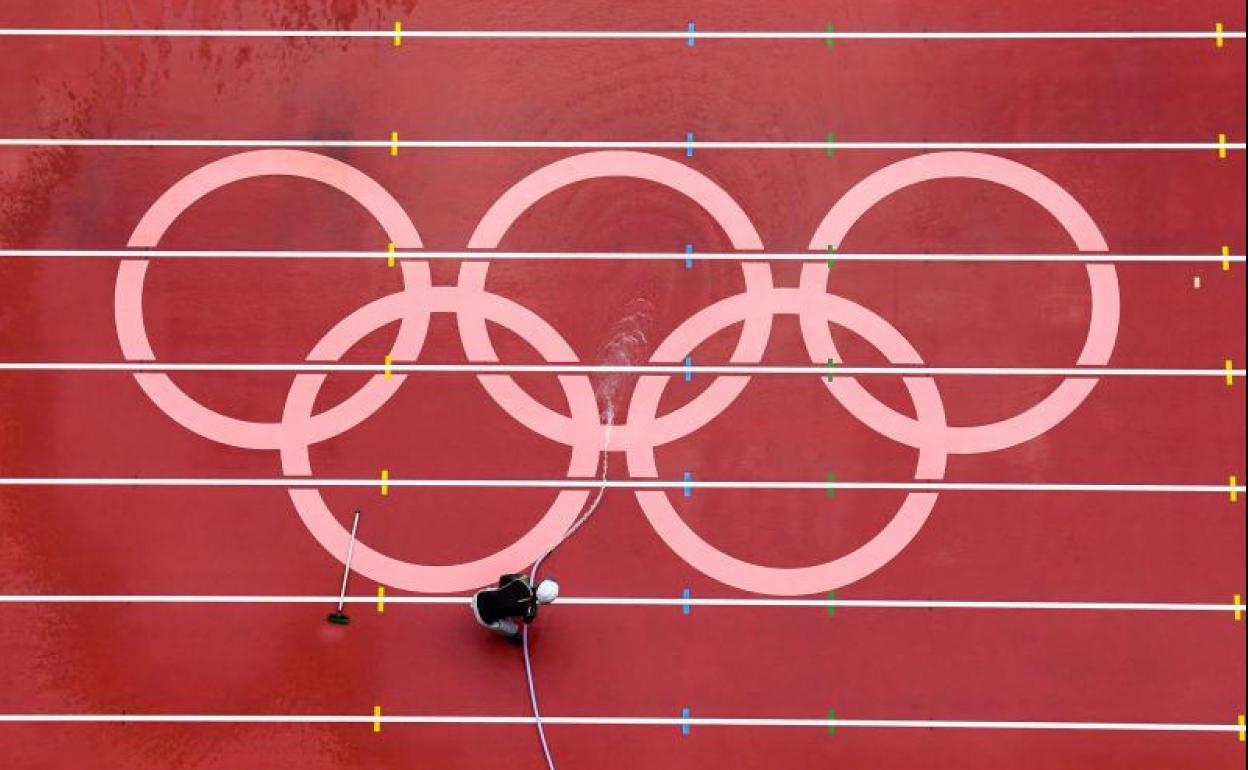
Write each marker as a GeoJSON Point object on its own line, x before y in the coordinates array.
{"type": "Point", "coordinates": [513, 598]}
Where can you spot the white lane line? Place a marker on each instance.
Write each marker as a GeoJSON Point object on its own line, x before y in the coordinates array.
{"type": "Point", "coordinates": [616, 721]}
{"type": "Point", "coordinates": [684, 34]}
{"type": "Point", "coordinates": [649, 369]}
{"type": "Point", "coordinates": [525, 144]}
{"type": "Point", "coordinates": [631, 601]}
{"type": "Point", "coordinates": [634, 484]}
{"type": "Point", "coordinates": [595, 256]}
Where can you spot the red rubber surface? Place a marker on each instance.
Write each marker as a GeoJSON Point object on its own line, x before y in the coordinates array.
{"type": "Point", "coordinates": [732, 662]}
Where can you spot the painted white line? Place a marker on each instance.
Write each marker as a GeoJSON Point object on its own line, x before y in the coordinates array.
{"type": "Point", "coordinates": [613, 721]}
{"type": "Point", "coordinates": [630, 601]}
{"type": "Point", "coordinates": [647, 369]}
{"type": "Point", "coordinates": [634, 484]}
{"type": "Point", "coordinates": [482, 144]}
{"type": "Point", "coordinates": [516, 34]}
{"type": "Point", "coordinates": [594, 256]}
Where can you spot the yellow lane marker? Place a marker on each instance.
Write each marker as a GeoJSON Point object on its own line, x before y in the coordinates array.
{"type": "Point", "coordinates": [376, 719]}
{"type": "Point", "coordinates": [1217, 29]}
{"type": "Point", "coordinates": [1221, 145]}
{"type": "Point", "coordinates": [1239, 607]}
{"type": "Point", "coordinates": [1226, 257]}
{"type": "Point", "coordinates": [385, 481]}
{"type": "Point", "coordinates": [394, 144]}
{"type": "Point", "coordinates": [1241, 728]}
{"type": "Point", "coordinates": [381, 598]}
{"type": "Point", "coordinates": [398, 33]}
{"type": "Point", "coordinates": [390, 258]}
{"type": "Point", "coordinates": [1233, 482]}
{"type": "Point", "coordinates": [1230, 373]}
{"type": "Point", "coordinates": [389, 361]}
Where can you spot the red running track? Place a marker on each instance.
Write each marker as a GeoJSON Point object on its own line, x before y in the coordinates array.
{"type": "Point", "coordinates": [732, 662]}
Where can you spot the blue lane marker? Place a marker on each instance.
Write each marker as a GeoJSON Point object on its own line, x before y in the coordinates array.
{"type": "Point", "coordinates": [688, 368]}
{"type": "Point", "coordinates": [688, 259]}
{"type": "Point", "coordinates": [684, 723]}
{"type": "Point", "coordinates": [684, 608]}
{"type": "Point", "coordinates": [690, 39]}
{"type": "Point", "coordinates": [688, 489]}
{"type": "Point", "coordinates": [688, 144]}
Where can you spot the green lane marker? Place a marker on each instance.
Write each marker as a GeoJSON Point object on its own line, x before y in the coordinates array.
{"type": "Point", "coordinates": [831, 485]}
{"type": "Point", "coordinates": [831, 602]}
{"type": "Point", "coordinates": [831, 717]}
{"type": "Point", "coordinates": [831, 144]}
{"type": "Point", "coordinates": [830, 33]}
{"type": "Point", "coordinates": [831, 256]}
{"type": "Point", "coordinates": [831, 372]}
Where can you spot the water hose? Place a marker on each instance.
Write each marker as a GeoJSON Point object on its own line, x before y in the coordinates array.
{"type": "Point", "coordinates": [524, 633]}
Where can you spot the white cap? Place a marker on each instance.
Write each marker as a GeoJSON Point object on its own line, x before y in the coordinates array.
{"type": "Point", "coordinates": [547, 591]}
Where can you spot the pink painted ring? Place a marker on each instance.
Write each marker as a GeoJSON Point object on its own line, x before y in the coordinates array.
{"type": "Point", "coordinates": [128, 296]}
{"type": "Point", "coordinates": [1103, 280]}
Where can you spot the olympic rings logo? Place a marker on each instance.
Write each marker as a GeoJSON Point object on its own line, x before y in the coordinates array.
{"type": "Point", "coordinates": [583, 429]}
